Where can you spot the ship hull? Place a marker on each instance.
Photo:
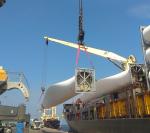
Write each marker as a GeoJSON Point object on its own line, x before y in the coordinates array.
{"type": "Point", "coordinates": [111, 126]}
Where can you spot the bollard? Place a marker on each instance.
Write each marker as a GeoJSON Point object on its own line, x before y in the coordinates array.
{"type": "Point", "coordinates": [19, 127]}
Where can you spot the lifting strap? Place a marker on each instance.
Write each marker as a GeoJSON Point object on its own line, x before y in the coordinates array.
{"type": "Point", "coordinates": [87, 54]}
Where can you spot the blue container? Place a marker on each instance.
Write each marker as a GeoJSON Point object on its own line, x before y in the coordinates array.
{"type": "Point", "coordinates": [19, 127]}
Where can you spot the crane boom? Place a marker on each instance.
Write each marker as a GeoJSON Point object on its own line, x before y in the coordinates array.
{"type": "Point", "coordinates": [102, 53]}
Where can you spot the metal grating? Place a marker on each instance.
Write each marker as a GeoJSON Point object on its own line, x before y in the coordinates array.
{"type": "Point", "coordinates": [84, 80]}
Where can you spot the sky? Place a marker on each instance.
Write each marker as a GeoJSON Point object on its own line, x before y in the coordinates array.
{"type": "Point", "coordinates": [109, 25]}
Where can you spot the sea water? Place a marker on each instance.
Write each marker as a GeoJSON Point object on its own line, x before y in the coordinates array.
{"type": "Point", "coordinates": [65, 128]}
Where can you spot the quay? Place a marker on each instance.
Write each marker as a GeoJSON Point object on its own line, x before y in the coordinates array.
{"type": "Point", "coordinates": [46, 130]}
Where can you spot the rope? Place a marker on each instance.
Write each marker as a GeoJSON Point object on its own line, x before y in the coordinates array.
{"type": "Point", "coordinates": [41, 96]}
{"type": "Point", "coordinates": [44, 70]}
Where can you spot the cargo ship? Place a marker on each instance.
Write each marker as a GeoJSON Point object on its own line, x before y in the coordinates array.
{"type": "Point", "coordinates": [50, 118]}
{"type": "Point", "coordinates": [116, 104]}
{"type": "Point", "coordinates": [121, 102]}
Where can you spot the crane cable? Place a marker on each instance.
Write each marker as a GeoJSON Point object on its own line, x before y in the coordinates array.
{"type": "Point", "coordinates": [81, 31]}
{"type": "Point", "coordinates": [87, 54]}
{"type": "Point", "coordinates": [44, 70]}
{"type": "Point", "coordinates": [81, 36]}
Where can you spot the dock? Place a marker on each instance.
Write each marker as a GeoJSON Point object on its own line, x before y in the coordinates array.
{"type": "Point", "coordinates": [50, 130]}
{"type": "Point", "coordinates": [47, 130]}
